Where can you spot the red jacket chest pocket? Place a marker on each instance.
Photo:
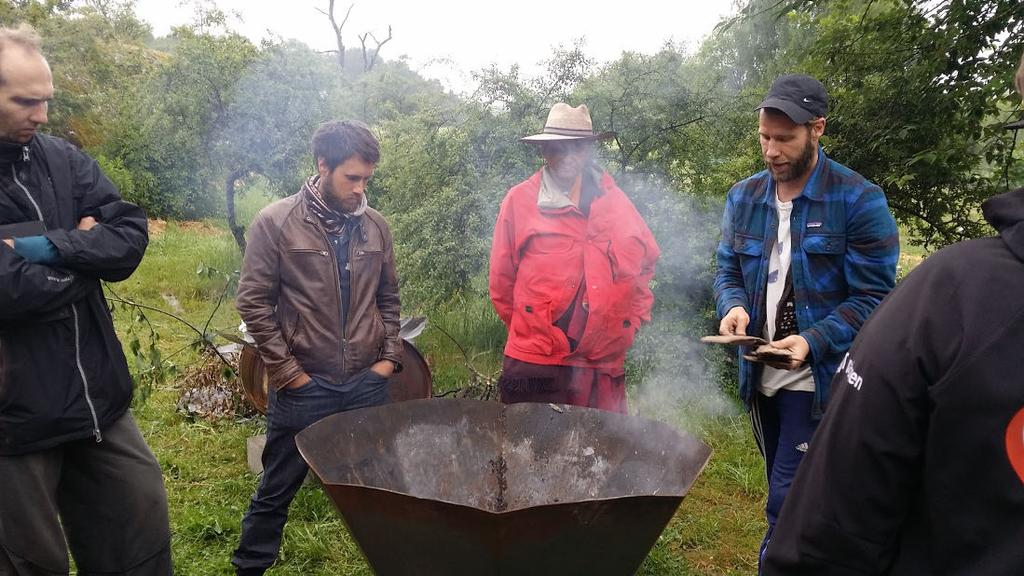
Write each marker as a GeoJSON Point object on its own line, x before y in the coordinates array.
{"type": "Point", "coordinates": [550, 244]}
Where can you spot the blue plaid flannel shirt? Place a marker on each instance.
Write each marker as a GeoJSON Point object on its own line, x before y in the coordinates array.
{"type": "Point", "coordinates": [846, 264]}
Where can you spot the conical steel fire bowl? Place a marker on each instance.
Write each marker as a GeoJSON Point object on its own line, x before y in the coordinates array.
{"type": "Point", "coordinates": [452, 487]}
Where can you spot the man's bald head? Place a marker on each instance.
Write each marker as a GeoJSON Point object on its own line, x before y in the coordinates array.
{"type": "Point", "coordinates": [23, 37]}
{"type": "Point", "coordinates": [26, 85]}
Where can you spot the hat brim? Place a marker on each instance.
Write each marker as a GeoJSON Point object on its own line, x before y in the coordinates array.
{"type": "Point", "coordinates": [795, 113]}
{"type": "Point", "coordinates": [545, 137]}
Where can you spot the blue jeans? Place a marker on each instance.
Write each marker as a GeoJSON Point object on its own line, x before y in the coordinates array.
{"type": "Point", "coordinates": [289, 411]}
{"type": "Point", "coordinates": [783, 428]}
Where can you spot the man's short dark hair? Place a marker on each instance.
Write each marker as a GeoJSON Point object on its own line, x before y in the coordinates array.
{"type": "Point", "coordinates": [339, 140]}
{"type": "Point", "coordinates": [24, 37]}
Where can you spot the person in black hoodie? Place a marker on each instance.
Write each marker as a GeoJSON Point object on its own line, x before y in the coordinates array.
{"type": "Point", "coordinates": [918, 466]}
{"type": "Point", "coordinates": [75, 472]}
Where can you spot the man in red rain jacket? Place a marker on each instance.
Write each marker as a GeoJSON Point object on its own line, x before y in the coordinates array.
{"type": "Point", "coordinates": [570, 270]}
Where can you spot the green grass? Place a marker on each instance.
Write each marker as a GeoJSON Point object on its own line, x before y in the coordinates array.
{"type": "Point", "coordinates": [910, 255]}
{"type": "Point", "coordinates": [716, 530]}
{"type": "Point", "coordinates": [462, 344]}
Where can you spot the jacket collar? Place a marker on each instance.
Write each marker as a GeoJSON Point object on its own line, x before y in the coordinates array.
{"type": "Point", "coordinates": [551, 197]}
{"type": "Point", "coordinates": [11, 152]}
{"type": "Point", "coordinates": [603, 180]}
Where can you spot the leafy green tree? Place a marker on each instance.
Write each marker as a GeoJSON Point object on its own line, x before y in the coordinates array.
{"type": "Point", "coordinates": [920, 92]}
{"type": "Point", "coordinates": [389, 91]}
{"type": "Point", "coordinates": [275, 110]}
{"type": "Point", "coordinates": [34, 12]}
{"type": "Point", "coordinates": [179, 109]}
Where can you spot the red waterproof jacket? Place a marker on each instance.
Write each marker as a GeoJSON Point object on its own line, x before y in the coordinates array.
{"type": "Point", "coordinates": [540, 256]}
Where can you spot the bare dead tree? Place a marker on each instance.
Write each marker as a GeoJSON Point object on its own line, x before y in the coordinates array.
{"type": "Point", "coordinates": [336, 27]}
{"type": "Point", "coordinates": [368, 60]}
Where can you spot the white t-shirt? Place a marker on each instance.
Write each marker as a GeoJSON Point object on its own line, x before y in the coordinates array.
{"type": "Point", "coordinates": [772, 379]}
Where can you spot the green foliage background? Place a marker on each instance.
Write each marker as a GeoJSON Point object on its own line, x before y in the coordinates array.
{"type": "Point", "coordinates": [920, 91]}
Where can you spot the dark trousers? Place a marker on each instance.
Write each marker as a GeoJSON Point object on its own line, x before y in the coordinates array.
{"type": "Point", "coordinates": [109, 497]}
{"type": "Point", "coordinates": [579, 386]}
{"type": "Point", "coordinates": [783, 429]}
{"type": "Point", "coordinates": [288, 413]}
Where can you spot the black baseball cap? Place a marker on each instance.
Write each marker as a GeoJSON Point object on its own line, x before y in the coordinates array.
{"type": "Point", "coordinates": [798, 96]}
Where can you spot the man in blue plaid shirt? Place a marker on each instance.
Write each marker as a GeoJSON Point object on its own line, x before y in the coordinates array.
{"type": "Point", "coordinates": [808, 249]}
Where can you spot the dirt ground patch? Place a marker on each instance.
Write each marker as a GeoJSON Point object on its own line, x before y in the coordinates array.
{"type": "Point", "coordinates": [158, 226]}
{"type": "Point", "coordinates": [200, 228]}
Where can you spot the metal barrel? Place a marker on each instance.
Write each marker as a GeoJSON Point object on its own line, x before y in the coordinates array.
{"type": "Point", "coordinates": [413, 382]}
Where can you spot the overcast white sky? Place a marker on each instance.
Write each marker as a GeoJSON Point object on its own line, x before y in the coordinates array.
{"type": "Point", "coordinates": [448, 39]}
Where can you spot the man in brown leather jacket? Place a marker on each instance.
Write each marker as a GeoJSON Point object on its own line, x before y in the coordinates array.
{"type": "Point", "coordinates": [319, 294]}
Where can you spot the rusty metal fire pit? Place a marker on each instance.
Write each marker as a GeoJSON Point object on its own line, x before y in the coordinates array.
{"type": "Point", "coordinates": [470, 487]}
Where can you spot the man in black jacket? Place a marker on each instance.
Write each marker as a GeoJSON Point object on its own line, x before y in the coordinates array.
{"type": "Point", "coordinates": [75, 471]}
{"type": "Point", "coordinates": [918, 466]}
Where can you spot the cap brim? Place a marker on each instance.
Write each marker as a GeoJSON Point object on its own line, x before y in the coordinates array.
{"type": "Point", "coordinates": [542, 137]}
{"type": "Point", "coordinates": [795, 113]}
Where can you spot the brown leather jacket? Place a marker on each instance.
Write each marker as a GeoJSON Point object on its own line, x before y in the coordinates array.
{"type": "Point", "coordinates": [289, 295]}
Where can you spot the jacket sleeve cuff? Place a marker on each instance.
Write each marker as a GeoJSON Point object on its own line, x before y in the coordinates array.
{"type": "Point", "coordinates": [393, 357]}
{"type": "Point", "coordinates": [37, 250]}
{"type": "Point", "coordinates": [288, 371]}
{"type": "Point", "coordinates": [817, 344]}
{"type": "Point", "coordinates": [729, 304]}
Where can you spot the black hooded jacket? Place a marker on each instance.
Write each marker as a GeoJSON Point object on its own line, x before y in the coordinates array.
{"type": "Point", "coordinates": [918, 467]}
{"type": "Point", "coordinates": [63, 375]}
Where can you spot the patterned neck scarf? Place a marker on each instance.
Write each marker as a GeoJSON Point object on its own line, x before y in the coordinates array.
{"type": "Point", "coordinates": [333, 221]}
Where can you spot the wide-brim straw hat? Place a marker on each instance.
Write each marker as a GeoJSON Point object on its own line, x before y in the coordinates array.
{"type": "Point", "coordinates": [567, 123]}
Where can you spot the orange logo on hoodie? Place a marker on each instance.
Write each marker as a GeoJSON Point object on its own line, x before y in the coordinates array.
{"type": "Point", "coordinates": [1015, 443]}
